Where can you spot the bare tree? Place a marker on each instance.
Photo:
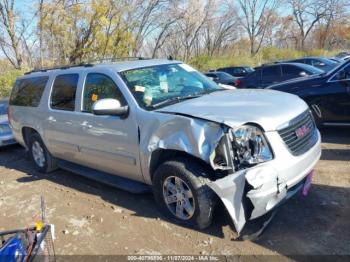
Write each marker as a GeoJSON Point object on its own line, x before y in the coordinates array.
{"type": "Point", "coordinates": [10, 39]}
{"type": "Point", "coordinates": [220, 28]}
{"type": "Point", "coordinates": [306, 14]}
{"type": "Point", "coordinates": [255, 16]}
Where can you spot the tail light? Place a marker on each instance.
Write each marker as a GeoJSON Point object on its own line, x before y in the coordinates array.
{"type": "Point", "coordinates": [237, 82]}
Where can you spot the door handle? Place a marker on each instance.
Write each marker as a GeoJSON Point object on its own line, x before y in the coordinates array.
{"type": "Point", "coordinates": [51, 119]}
{"type": "Point", "coordinates": [86, 124]}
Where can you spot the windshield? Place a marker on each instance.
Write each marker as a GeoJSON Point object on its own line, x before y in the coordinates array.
{"type": "Point", "coordinates": [3, 108]}
{"type": "Point", "coordinates": [335, 69]}
{"type": "Point", "coordinates": [155, 86]}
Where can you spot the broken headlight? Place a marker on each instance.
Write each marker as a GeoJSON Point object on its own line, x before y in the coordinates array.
{"type": "Point", "coordinates": [250, 145]}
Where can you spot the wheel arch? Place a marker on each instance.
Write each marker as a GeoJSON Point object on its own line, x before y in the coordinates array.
{"type": "Point", "coordinates": [160, 156]}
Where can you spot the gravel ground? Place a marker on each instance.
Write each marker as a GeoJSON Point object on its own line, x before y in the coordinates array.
{"type": "Point", "coordinates": [91, 218]}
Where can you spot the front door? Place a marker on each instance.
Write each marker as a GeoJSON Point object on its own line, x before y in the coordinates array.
{"type": "Point", "coordinates": [337, 97]}
{"type": "Point", "coordinates": [107, 143]}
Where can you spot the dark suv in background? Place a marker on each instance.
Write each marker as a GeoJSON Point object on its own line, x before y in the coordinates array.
{"type": "Point", "coordinates": [237, 71]}
{"type": "Point", "coordinates": [319, 62]}
{"type": "Point", "coordinates": [266, 75]}
{"type": "Point", "coordinates": [328, 95]}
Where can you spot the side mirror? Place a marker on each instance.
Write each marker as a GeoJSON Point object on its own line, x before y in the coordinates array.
{"type": "Point", "coordinates": [303, 73]}
{"type": "Point", "coordinates": [321, 64]}
{"type": "Point", "coordinates": [109, 106]}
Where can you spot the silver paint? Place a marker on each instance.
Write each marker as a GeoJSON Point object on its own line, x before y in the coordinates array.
{"type": "Point", "coordinates": [125, 147]}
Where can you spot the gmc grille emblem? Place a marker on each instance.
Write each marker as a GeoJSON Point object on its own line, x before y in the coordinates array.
{"type": "Point", "coordinates": [302, 131]}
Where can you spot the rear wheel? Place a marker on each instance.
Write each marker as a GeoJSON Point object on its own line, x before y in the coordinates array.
{"type": "Point", "coordinates": [44, 162]}
{"type": "Point", "coordinates": [181, 192]}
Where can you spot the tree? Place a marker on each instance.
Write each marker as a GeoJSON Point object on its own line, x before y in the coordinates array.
{"type": "Point", "coordinates": [255, 16]}
{"type": "Point", "coordinates": [306, 14]}
{"type": "Point", "coordinates": [11, 34]}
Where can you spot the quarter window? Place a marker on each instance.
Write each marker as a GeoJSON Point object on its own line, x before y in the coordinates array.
{"type": "Point", "coordinates": [28, 92]}
{"type": "Point", "coordinates": [99, 86]}
{"type": "Point", "coordinates": [63, 92]}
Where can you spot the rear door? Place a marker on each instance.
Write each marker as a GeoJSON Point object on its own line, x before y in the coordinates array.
{"type": "Point", "coordinates": [61, 124]}
{"type": "Point", "coordinates": [271, 75]}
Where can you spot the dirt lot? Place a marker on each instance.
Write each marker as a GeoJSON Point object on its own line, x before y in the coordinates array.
{"type": "Point", "coordinates": [91, 218]}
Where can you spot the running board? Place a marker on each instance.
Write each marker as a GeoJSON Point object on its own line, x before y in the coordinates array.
{"type": "Point", "coordinates": [105, 178]}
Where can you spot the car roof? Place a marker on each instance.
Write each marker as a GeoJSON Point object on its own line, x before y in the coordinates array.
{"type": "Point", "coordinates": [280, 63]}
{"type": "Point", "coordinates": [227, 67]}
{"type": "Point", "coordinates": [115, 66]}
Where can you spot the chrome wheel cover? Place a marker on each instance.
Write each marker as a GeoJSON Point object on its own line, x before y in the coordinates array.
{"type": "Point", "coordinates": [178, 197]}
{"type": "Point", "coordinates": [38, 154]}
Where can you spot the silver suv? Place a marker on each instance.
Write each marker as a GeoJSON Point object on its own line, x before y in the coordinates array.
{"type": "Point", "coordinates": [161, 124]}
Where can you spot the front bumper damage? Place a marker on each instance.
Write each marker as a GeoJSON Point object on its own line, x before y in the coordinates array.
{"type": "Point", "coordinates": [269, 183]}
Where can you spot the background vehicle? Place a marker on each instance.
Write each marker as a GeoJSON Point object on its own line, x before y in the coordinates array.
{"type": "Point", "coordinates": [322, 63]}
{"type": "Point", "coordinates": [236, 71]}
{"type": "Point", "coordinates": [328, 95]}
{"type": "Point", "coordinates": [161, 124]}
{"type": "Point", "coordinates": [266, 75]}
{"type": "Point", "coordinates": [222, 78]}
{"type": "Point", "coordinates": [6, 137]}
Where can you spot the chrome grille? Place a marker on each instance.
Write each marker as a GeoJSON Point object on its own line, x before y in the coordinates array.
{"type": "Point", "coordinates": [300, 134]}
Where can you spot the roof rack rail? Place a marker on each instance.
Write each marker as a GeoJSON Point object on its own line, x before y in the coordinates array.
{"type": "Point", "coordinates": [115, 59]}
{"type": "Point", "coordinates": [90, 63]}
{"type": "Point", "coordinates": [58, 67]}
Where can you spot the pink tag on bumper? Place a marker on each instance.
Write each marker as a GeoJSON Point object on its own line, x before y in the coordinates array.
{"type": "Point", "coordinates": [307, 183]}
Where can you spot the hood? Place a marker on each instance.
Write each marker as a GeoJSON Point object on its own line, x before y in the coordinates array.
{"type": "Point", "coordinates": [267, 108]}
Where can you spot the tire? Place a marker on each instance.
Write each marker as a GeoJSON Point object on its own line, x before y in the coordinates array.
{"type": "Point", "coordinates": [193, 175]}
{"type": "Point", "coordinates": [47, 163]}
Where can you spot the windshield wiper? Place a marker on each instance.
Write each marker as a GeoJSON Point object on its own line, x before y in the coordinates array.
{"type": "Point", "coordinates": [176, 99]}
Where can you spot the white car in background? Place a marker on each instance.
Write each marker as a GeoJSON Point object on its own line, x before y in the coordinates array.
{"type": "Point", "coordinates": [6, 136]}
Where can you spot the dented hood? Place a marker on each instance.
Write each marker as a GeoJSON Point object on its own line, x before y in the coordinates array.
{"type": "Point", "coordinates": [267, 108]}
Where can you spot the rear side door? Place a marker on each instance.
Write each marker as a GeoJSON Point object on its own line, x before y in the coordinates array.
{"type": "Point", "coordinates": [271, 75]}
{"type": "Point", "coordinates": [61, 123]}
{"type": "Point", "coordinates": [107, 143]}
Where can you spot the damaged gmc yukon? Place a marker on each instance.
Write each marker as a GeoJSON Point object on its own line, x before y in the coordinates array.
{"type": "Point", "coordinates": [161, 124]}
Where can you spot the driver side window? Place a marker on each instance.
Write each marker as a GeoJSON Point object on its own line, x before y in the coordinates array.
{"type": "Point", "coordinates": [343, 74]}
{"type": "Point", "coordinates": [99, 86]}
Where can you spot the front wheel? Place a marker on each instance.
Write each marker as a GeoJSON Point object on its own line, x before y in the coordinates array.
{"type": "Point", "coordinates": [181, 192]}
{"type": "Point", "coordinates": [44, 162]}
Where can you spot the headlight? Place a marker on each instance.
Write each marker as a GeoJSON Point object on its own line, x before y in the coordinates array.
{"type": "Point", "coordinates": [4, 129]}
{"type": "Point", "coordinates": [251, 145]}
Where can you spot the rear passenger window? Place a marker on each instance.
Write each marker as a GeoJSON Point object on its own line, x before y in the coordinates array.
{"type": "Point", "coordinates": [271, 72]}
{"type": "Point", "coordinates": [99, 86]}
{"type": "Point", "coordinates": [28, 92]}
{"type": "Point", "coordinates": [63, 92]}
{"type": "Point", "coordinates": [290, 70]}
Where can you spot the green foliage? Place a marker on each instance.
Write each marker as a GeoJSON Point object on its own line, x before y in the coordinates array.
{"type": "Point", "coordinates": [271, 54]}
{"type": "Point", "coordinates": [266, 55]}
{"type": "Point", "coordinates": [7, 80]}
